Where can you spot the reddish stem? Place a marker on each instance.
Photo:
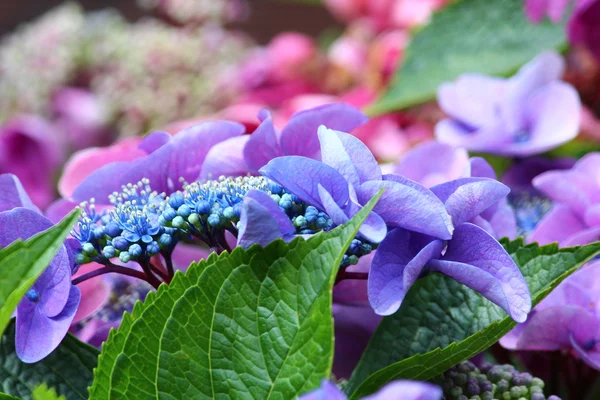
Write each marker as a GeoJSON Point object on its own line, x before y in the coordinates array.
{"type": "Point", "coordinates": [110, 268]}
{"type": "Point", "coordinates": [342, 275]}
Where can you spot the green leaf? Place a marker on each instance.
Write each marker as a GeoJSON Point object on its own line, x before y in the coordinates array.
{"type": "Point", "coordinates": [68, 369]}
{"type": "Point", "coordinates": [442, 322]}
{"type": "Point", "coordinates": [43, 392]}
{"type": "Point", "coordinates": [21, 263]}
{"type": "Point", "coordinates": [470, 36]}
{"type": "Point", "coordinates": [250, 324]}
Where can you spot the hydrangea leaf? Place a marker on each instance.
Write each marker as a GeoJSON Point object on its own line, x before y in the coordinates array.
{"type": "Point", "coordinates": [21, 263]}
{"type": "Point", "coordinates": [68, 369]}
{"type": "Point", "coordinates": [43, 392]}
{"type": "Point", "coordinates": [468, 36]}
{"type": "Point", "coordinates": [254, 323]}
{"type": "Point", "coordinates": [442, 322]}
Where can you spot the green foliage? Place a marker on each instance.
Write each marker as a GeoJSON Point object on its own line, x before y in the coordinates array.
{"type": "Point", "coordinates": [21, 263]}
{"type": "Point", "coordinates": [442, 322]}
{"type": "Point", "coordinates": [42, 392]}
{"type": "Point", "coordinates": [68, 369]}
{"type": "Point", "coordinates": [250, 324]}
{"type": "Point", "coordinates": [470, 36]}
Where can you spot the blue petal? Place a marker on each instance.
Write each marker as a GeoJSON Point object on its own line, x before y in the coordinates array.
{"type": "Point", "coordinates": [302, 177]}
{"type": "Point", "coordinates": [263, 145]}
{"type": "Point", "coordinates": [398, 262]}
{"type": "Point", "coordinates": [262, 220]}
{"type": "Point", "coordinates": [406, 204]}
{"type": "Point", "coordinates": [466, 198]}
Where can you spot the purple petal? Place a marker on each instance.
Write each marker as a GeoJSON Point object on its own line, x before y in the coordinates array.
{"type": "Point", "coordinates": [477, 260]}
{"type": "Point", "coordinates": [551, 328]}
{"type": "Point", "coordinates": [327, 391]}
{"type": "Point", "coordinates": [491, 138]}
{"type": "Point", "coordinates": [59, 209]}
{"type": "Point", "coordinates": [558, 225]}
{"type": "Point", "coordinates": [182, 157]}
{"type": "Point", "coordinates": [12, 194]}
{"type": "Point", "coordinates": [299, 137]}
{"type": "Point", "coordinates": [590, 357]}
{"type": "Point", "coordinates": [408, 205]}
{"type": "Point", "coordinates": [584, 237]}
{"type": "Point", "coordinates": [583, 26]}
{"type": "Point", "coordinates": [432, 163]}
{"type": "Point", "coordinates": [348, 155]}
{"type": "Point", "coordinates": [554, 114]}
{"type": "Point", "coordinates": [263, 145]}
{"type": "Point", "coordinates": [407, 390]}
{"type": "Point", "coordinates": [466, 198]}
{"type": "Point", "coordinates": [373, 229]}
{"type": "Point", "coordinates": [262, 220]}
{"type": "Point", "coordinates": [226, 159]}
{"type": "Point", "coordinates": [480, 168]}
{"type": "Point", "coordinates": [472, 99]}
{"type": "Point", "coordinates": [502, 220]}
{"type": "Point", "coordinates": [38, 335]}
{"type": "Point", "coordinates": [154, 141]}
{"type": "Point", "coordinates": [302, 177]}
{"type": "Point", "coordinates": [397, 264]}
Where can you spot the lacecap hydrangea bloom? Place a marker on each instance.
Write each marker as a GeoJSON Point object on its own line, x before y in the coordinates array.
{"type": "Point", "coordinates": [529, 113]}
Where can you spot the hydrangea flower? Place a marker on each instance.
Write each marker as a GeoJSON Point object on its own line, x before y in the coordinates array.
{"type": "Point", "coordinates": [348, 177]}
{"type": "Point", "coordinates": [574, 218]}
{"type": "Point", "coordinates": [45, 313]}
{"type": "Point", "coordinates": [299, 137]}
{"type": "Point", "coordinates": [405, 390]}
{"type": "Point", "coordinates": [530, 113]}
{"type": "Point", "coordinates": [473, 257]}
{"type": "Point", "coordinates": [168, 160]}
{"type": "Point", "coordinates": [568, 319]}
{"type": "Point", "coordinates": [433, 163]}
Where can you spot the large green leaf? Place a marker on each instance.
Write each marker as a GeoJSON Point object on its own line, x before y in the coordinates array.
{"type": "Point", "coordinates": [442, 322]}
{"type": "Point", "coordinates": [250, 324]}
{"type": "Point", "coordinates": [482, 36]}
{"type": "Point", "coordinates": [43, 392]}
{"type": "Point", "coordinates": [68, 369]}
{"type": "Point", "coordinates": [21, 263]}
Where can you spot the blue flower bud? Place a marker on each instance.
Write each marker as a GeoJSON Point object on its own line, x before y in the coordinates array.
{"type": "Point", "coordinates": [323, 223]}
{"type": "Point", "coordinates": [33, 295]}
{"type": "Point", "coordinates": [109, 252]}
{"type": "Point", "coordinates": [311, 214]}
{"type": "Point", "coordinates": [286, 201]}
{"type": "Point", "coordinates": [135, 250]}
{"type": "Point", "coordinates": [300, 221]}
{"type": "Point", "coordinates": [184, 211]}
{"type": "Point", "coordinates": [124, 257]}
{"type": "Point", "coordinates": [88, 249]}
{"type": "Point", "coordinates": [120, 243]}
{"type": "Point", "coordinates": [194, 219]}
{"type": "Point", "coordinates": [228, 213]}
{"type": "Point", "coordinates": [81, 259]}
{"type": "Point", "coordinates": [276, 198]}
{"type": "Point", "coordinates": [165, 240]}
{"type": "Point", "coordinates": [176, 200]}
{"type": "Point", "coordinates": [112, 229]}
{"type": "Point", "coordinates": [99, 232]}
{"type": "Point", "coordinates": [214, 220]}
{"type": "Point", "coordinates": [274, 188]}
{"type": "Point", "coordinates": [179, 222]}
{"type": "Point", "coordinates": [153, 248]}
{"type": "Point", "coordinates": [169, 214]}
{"type": "Point", "coordinates": [203, 207]}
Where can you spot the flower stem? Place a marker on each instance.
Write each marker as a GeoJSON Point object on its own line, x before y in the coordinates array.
{"type": "Point", "coordinates": [342, 275]}
{"type": "Point", "coordinates": [110, 268]}
{"type": "Point", "coordinates": [150, 277]}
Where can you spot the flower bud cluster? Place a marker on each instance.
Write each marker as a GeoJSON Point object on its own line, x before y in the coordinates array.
{"type": "Point", "coordinates": [130, 231]}
{"type": "Point", "coordinates": [500, 382]}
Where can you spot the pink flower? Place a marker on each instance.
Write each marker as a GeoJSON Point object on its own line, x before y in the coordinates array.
{"type": "Point", "coordinates": [31, 148]}
{"type": "Point", "coordinates": [84, 162]}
